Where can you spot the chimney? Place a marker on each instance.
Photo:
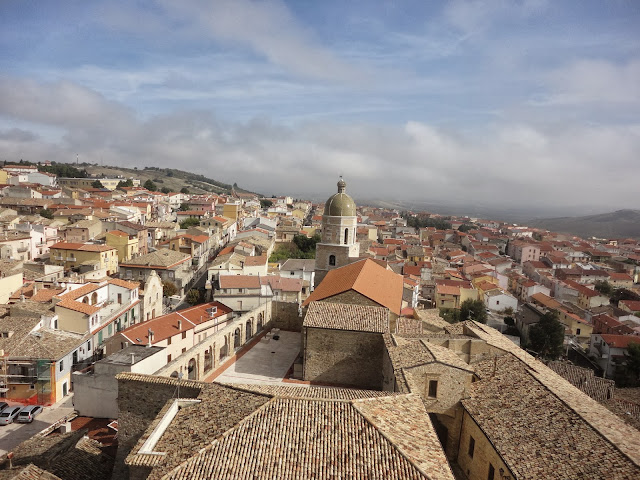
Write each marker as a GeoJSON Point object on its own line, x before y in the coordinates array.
{"type": "Point", "coordinates": [150, 335]}
{"type": "Point", "coordinates": [179, 325]}
{"type": "Point", "coordinates": [133, 358]}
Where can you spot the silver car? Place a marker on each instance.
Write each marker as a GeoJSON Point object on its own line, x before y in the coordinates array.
{"type": "Point", "coordinates": [28, 413]}
{"type": "Point", "coordinates": [9, 414]}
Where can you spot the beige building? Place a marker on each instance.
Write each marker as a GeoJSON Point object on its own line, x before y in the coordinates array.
{"type": "Point", "coordinates": [124, 243]}
{"type": "Point", "coordinates": [84, 257]}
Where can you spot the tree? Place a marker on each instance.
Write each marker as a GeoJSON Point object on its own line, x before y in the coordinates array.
{"type": "Point", "coordinates": [264, 203]}
{"type": "Point", "coordinates": [149, 185]}
{"type": "Point", "coordinates": [169, 288]}
{"type": "Point", "coordinates": [184, 190]}
{"type": "Point", "coordinates": [125, 183]}
{"type": "Point", "coordinates": [465, 227]}
{"type": "Point", "coordinates": [632, 355]}
{"type": "Point", "coordinates": [165, 190]}
{"type": "Point", "coordinates": [509, 321]}
{"type": "Point", "coordinates": [193, 296]}
{"type": "Point", "coordinates": [604, 287]}
{"type": "Point", "coordinates": [546, 336]}
{"type": "Point", "coordinates": [97, 184]}
{"type": "Point", "coordinates": [46, 213]}
{"type": "Point", "coordinates": [189, 222]}
{"type": "Point", "coordinates": [183, 207]}
{"type": "Point", "coordinates": [473, 310]}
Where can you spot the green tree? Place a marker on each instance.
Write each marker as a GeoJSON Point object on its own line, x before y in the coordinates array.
{"type": "Point", "coordinates": [149, 185]}
{"type": "Point", "coordinates": [546, 336]}
{"type": "Point", "coordinates": [264, 203]}
{"type": "Point", "coordinates": [632, 356]}
{"type": "Point", "coordinates": [193, 296]}
{"type": "Point", "coordinates": [473, 310]}
{"type": "Point", "coordinates": [165, 190]}
{"type": "Point", "coordinates": [125, 183]}
{"type": "Point", "coordinates": [183, 207]}
{"type": "Point", "coordinates": [169, 288]}
{"type": "Point", "coordinates": [97, 184]}
{"type": "Point", "coordinates": [604, 287]}
{"type": "Point", "coordinates": [184, 190]}
{"type": "Point", "coordinates": [465, 227]}
{"type": "Point", "coordinates": [46, 213]}
{"type": "Point", "coordinates": [189, 222]}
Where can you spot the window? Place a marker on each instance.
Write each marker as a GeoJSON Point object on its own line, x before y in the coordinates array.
{"type": "Point", "coordinates": [332, 260]}
{"type": "Point", "coordinates": [169, 341]}
{"type": "Point", "coordinates": [577, 331]}
{"type": "Point", "coordinates": [491, 473]}
{"type": "Point", "coordinates": [119, 298]}
{"type": "Point", "coordinates": [433, 389]}
{"type": "Point", "coordinates": [89, 345]}
{"type": "Point", "coordinates": [346, 235]}
{"type": "Point", "coordinates": [61, 365]}
{"type": "Point", "coordinates": [472, 446]}
{"type": "Point", "coordinates": [168, 358]}
{"type": "Point", "coordinates": [184, 350]}
{"type": "Point", "coordinates": [184, 335]}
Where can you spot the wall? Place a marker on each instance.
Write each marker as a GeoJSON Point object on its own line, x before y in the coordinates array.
{"type": "Point", "coordinates": [483, 453]}
{"type": "Point", "coordinates": [8, 285]}
{"type": "Point", "coordinates": [285, 316]}
{"type": "Point", "coordinates": [453, 384]}
{"type": "Point", "coordinates": [343, 357]}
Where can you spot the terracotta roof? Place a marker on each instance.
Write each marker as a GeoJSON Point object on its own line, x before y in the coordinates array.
{"type": "Point", "coordinates": [255, 261]}
{"type": "Point", "coordinates": [124, 283]}
{"type": "Point", "coordinates": [620, 341]}
{"type": "Point", "coordinates": [285, 284]}
{"type": "Point", "coordinates": [365, 277]}
{"type": "Point", "coordinates": [166, 326]}
{"type": "Point", "coordinates": [118, 233]}
{"type": "Point", "coordinates": [633, 305]}
{"type": "Point", "coordinates": [341, 316]}
{"type": "Point", "coordinates": [84, 247]}
{"type": "Point", "coordinates": [239, 281]}
{"type": "Point", "coordinates": [161, 258]}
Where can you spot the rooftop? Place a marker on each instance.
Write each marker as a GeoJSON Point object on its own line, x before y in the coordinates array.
{"type": "Point", "coordinates": [340, 316]}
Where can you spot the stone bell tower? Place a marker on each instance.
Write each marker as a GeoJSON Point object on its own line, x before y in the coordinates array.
{"type": "Point", "coordinates": [338, 246]}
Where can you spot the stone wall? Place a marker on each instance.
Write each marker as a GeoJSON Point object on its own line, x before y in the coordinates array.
{"type": "Point", "coordinates": [286, 316]}
{"type": "Point", "coordinates": [140, 399]}
{"type": "Point", "coordinates": [453, 384]}
{"type": "Point", "coordinates": [484, 455]}
{"type": "Point", "coordinates": [343, 357]}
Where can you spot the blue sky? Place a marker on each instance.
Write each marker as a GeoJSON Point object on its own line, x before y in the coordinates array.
{"type": "Point", "coordinates": [495, 103]}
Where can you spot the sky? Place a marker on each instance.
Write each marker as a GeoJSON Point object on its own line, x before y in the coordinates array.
{"type": "Point", "coordinates": [507, 104]}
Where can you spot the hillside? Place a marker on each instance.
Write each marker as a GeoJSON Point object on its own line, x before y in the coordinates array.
{"type": "Point", "coordinates": [171, 178]}
{"type": "Point", "coordinates": [618, 224]}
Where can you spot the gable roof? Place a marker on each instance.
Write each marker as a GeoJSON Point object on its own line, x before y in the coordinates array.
{"type": "Point", "coordinates": [366, 277]}
{"type": "Point", "coordinates": [342, 316]}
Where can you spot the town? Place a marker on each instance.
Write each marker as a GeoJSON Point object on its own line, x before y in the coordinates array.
{"type": "Point", "coordinates": [164, 334]}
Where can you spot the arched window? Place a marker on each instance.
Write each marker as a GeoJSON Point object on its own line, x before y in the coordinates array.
{"type": "Point", "coordinates": [332, 260]}
{"type": "Point", "coordinates": [346, 235]}
{"type": "Point", "coordinates": [94, 298]}
{"type": "Point", "coordinates": [85, 300]}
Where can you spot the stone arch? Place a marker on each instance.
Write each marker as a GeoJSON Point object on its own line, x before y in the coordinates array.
{"type": "Point", "coordinates": [208, 358]}
{"type": "Point", "coordinates": [260, 323]}
{"type": "Point", "coordinates": [192, 370]}
{"type": "Point", "coordinates": [248, 328]}
{"type": "Point", "coordinates": [224, 350]}
{"type": "Point", "coordinates": [237, 338]}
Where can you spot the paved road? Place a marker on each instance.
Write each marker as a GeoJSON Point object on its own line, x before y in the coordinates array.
{"type": "Point", "coordinates": [15, 433]}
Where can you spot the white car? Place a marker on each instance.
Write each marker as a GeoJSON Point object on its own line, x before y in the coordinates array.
{"type": "Point", "coordinates": [27, 414]}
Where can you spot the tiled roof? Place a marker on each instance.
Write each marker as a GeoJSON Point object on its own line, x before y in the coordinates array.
{"type": "Point", "coordinates": [620, 341]}
{"type": "Point", "coordinates": [303, 391]}
{"type": "Point", "coordinates": [255, 261]}
{"type": "Point", "coordinates": [340, 316]}
{"type": "Point", "coordinates": [325, 439]}
{"type": "Point", "coordinates": [613, 432]}
{"type": "Point", "coordinates": [84, 247]}
{"type": "Point", "coordinates": [535, 432]}
{"type": "Point", "coordinates": [365, 277]}
{"type": "Point", "coordinates": [284, 284]}
{"type": "Point", "coordinates": [124, 283]}
{"type": "Point", "coordinates": [406, 353]}
{"type": "Point", "coordinates": [239, 281]}
{"type": "Point", "coordinates": [161, 258]}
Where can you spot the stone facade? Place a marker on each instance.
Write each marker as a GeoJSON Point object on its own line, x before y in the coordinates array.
{"type": "Point", "coordinates": [343, 357]}
{"type": "Point", "coordinates": [286, 316]}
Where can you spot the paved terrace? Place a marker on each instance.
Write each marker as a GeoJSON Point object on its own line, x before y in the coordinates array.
{"type": "Point", "coordinates": [267, 361]}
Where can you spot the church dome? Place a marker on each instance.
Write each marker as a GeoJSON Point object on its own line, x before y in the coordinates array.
{"type": "Point", "coordinates": [340, 204]}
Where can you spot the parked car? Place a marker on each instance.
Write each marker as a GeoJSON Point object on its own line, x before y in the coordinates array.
{"type": "Point", "coordinates": [8, 415]}
{"type": "Point", "coordinates": [27, 414]}
{"type": "Point", "coordinates": [3, 405]}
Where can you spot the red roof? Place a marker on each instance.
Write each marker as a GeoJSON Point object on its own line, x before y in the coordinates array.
{"type": "Point", "coordinates": [620, 341]}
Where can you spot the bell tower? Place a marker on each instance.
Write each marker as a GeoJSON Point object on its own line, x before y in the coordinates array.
{"type": "Point", "coordinates": [338, 246]}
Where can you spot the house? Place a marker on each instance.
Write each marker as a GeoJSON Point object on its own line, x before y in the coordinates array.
{"type": "Point", "coordinates": [151, 296]}
{"type": "Point", "coordinates": [84, 257]}
{"type": "Point", "coordinates": [610, 352]}
{"type": "Point", "coordinates": [82, 231]}
{"type": "Point", "coordinates": [125, 244]}
{"type": "Point", "coordinates": [587, 297]}
{"type": "Point", "coordinates": [242, 292]}
{"type": "Point", "coordinates": [285, 289]}
{"type": "Point", "coordinates": [171, 266]}
{"type": "Point", "coordinates": [620, 280]}
{"type": "Point", "coordinates": [300, 268]}
{"type": "Point", "coordinates": [498, 300]}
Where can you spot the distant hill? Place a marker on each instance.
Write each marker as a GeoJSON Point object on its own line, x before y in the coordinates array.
{"type": "Point", "coordinates": [618, 224]}
{"type": "Point", "coordinates": [171, 178]}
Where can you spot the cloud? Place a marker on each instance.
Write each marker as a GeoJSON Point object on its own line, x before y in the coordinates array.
{"type": "Point", "coordinates": [477, 16]}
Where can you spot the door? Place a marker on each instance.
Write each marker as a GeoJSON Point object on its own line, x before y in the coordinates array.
{"type": "Point", "coordinates": [64, 389]}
